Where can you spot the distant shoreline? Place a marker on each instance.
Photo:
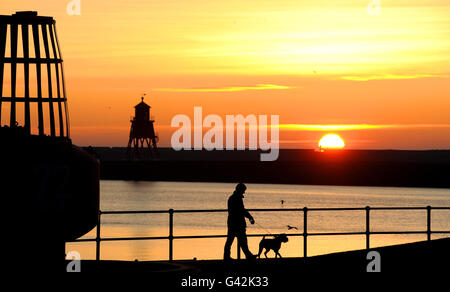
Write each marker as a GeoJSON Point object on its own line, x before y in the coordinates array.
{"type": "Point", "coordinates": [389, 168]}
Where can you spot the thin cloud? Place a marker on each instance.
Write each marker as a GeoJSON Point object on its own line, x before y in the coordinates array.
{"type": "Point", "coordinates": [329, 127]}
{"type": "Point", "coordinates": [302, 127]}
{"type": "Point", "coordinates": [228, 88]}
{"type": "Point", "coordinates": [352, 127]}
{"type": "Point", "coordinates": [391, 77]}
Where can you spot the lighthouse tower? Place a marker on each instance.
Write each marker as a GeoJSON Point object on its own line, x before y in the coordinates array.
{"type": "Point", "coordinates": [143, 140]}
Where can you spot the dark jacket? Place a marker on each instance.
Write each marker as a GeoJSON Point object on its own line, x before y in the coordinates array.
{"type": "Point", "coordinates": [237, 213]}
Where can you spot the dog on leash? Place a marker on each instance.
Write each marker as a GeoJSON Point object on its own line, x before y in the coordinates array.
{"type": "Point", "coordinates": [272, 244]}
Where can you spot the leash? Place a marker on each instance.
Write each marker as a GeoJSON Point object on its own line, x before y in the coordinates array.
{"type": "Point", "coordinates": [263, 229]}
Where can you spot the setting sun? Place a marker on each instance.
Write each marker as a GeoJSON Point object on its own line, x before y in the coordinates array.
{"type": "Point", "coordinates": [331, 141]}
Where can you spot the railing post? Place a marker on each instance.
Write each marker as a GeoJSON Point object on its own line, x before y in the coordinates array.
{"type": "Point", "coordinates": [367, 227]}
{"type": "Point", "coordinates": [170, 234]}
{"type": "Point", "coordinates": [428, 223]}
{"type": "Point", "coordinates": [238, 252]}
{"type": "Point", "coordinates": [97, 237]}
{"type": "Point", "coordinates": [305, 232]}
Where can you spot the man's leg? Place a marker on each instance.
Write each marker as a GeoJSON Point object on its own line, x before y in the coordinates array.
{"type": "Point", "coordinates": [242, 241]}
{"type": "Point", "coordinates": [228, 243]}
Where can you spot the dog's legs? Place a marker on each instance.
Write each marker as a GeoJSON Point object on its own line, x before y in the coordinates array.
{"type": "Point", "coordinates": [260, 250]}
{"type": "Point", "coordinates": [265, 253]}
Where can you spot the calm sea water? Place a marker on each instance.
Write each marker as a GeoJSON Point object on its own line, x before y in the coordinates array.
{"type": "Point", "coordinates": [127, 195]}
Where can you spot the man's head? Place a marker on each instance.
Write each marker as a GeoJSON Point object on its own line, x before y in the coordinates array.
{"type": "Point", "coordinates": [240, 188]}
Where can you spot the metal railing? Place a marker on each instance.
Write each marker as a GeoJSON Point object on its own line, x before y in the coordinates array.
{"type": "Point", "coordinates": [305, 234]}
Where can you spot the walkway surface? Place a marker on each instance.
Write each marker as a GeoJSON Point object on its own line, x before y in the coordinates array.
{"type": "Point", "coordinates": [419, 258]}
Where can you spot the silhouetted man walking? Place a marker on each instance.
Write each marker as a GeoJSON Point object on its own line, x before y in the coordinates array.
{"type": "Point", "coordinates": [236, 222]}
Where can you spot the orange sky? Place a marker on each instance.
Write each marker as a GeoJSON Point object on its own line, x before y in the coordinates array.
{"type": "Point", "coordinates": [314, 63]}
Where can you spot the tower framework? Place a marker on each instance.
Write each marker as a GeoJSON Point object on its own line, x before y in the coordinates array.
{"type": "Point", "coordinates": [143, 139]}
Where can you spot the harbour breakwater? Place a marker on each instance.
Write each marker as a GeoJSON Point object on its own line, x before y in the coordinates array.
{"type": "Point", "coordinates": [349, 167]}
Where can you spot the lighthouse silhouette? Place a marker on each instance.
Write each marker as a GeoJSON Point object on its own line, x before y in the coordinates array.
{"type": "Point", "coordinates": [143, 140]}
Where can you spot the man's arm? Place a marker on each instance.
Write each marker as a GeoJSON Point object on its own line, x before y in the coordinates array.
{"type": "Point", "coordinates": [247, 214]}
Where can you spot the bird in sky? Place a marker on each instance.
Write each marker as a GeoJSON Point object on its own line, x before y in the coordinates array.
{"type": "Point", "coordinates": [289, 227]}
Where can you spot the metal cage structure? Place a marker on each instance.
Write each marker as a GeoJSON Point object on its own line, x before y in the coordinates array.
{"type": "Point", "coordinates": [32, 92]}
